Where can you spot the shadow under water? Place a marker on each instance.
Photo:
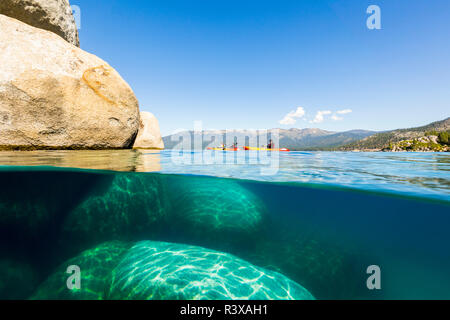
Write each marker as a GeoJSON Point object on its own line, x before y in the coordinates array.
{"type": "Point", "coordinates": [156, 236]}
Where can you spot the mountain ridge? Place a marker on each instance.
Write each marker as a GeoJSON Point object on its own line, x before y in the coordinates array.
{"type": "Point", "coordinates": [294, 138]}
{"type": "Point", "coordinates": [314, 139]}
{"type": "Point", "coordinates": [382, 140]}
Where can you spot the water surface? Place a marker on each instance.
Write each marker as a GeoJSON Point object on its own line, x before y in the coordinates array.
{"type": "Point", "coordinates": [423, 174]}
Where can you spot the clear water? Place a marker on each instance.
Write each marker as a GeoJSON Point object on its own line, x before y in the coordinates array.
{"type": "Point", "coordinates": [160, 225]}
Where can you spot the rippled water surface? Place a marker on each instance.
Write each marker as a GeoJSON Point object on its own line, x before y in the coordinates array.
{"type": "Point", "coordinates": [423, 174]}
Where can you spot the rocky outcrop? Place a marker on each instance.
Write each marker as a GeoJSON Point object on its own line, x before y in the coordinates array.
{"type": "Point", "coordinates": [56, 96]}
{"type": "Point", "coordinates": [383, 140]}
{"type": "Point", "coordinates": [149, 136]}
{"type": "Point", "coordinates": [52, 15]}
{"type": "Point", "coordinates": [429, 143]}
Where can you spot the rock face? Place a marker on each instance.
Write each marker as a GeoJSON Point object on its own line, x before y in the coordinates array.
{"type": "Point", "coordinates": [52, 15]}
{"type": "Point", "coordinates": [149, 136]}
{"type": "Point", "coordinates": [56, 96]}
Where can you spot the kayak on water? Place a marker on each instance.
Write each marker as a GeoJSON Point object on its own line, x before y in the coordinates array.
{"type": "Point", "coordinates": [249, 149]}
{"type": "Point", "coordinates": [266, 149]}
{"type": "Point", "coordinates": [225, 149]}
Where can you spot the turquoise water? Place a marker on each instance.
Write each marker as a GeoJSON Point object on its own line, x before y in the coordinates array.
{"type": "Point", "coordinates": [160, 225]}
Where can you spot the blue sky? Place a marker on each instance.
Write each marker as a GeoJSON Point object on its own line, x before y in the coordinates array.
{"type": "Point", "coordinates": [250, 63]}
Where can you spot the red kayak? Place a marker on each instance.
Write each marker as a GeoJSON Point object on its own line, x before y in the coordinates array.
{"type": "Point", "coordinates": [266, 149]}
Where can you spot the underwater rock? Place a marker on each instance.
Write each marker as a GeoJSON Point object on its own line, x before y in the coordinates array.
{"type": "Point", "coordinates": [157, 270]}
{"type": "Point", "coordinates": [129, 207]}
{"type": "Point", "coordinates": [51, 15]}
{"type": "Point", "coordinates": [214, 207]}
{"type": "Point", "coordinates": [149, 136]}
{"type": "Point", "coordinates": [56, 96]}
{"type": "Point", "coordinates": [95, 270]}
{"type": "Point", "coordinates": [17, 280]}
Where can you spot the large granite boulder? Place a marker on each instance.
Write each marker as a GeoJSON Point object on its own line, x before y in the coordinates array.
{"type": "Point", "coordinates": [52, 15]}
{"type": "Point", "coordinates": [149, 136]}
{"type": "Point", "coordinates": [56, 96]}
{"type": "Point", "coordinates": [151, 270]}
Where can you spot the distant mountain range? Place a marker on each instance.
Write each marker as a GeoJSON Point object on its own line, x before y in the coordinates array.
{"type": "Point", "coordinates": [294, 139]}
{"type": "Point", "coordinates": [382, 140]}
{"type": "Point", "coordinates": [310, 139]}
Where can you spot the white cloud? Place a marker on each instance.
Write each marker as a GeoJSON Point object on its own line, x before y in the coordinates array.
{"type": "Point", "coordinates": [291, 117]}
{"type": "Point", "coordinates": [346, 111]}
{"type": "Point", "coordinates": [320, 116]}
{"type": "Point", "coordinates": [335, 116]}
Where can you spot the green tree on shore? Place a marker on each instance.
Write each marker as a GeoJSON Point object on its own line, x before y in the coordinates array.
{"type": "Point", "coordinates": [443, 137]}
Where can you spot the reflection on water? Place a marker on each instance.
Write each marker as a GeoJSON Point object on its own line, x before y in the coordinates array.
{"type": "Point", "coordinates": [115, 160]}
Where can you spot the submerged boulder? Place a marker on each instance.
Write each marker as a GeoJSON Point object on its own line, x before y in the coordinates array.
{"type": "Point", "coordinates": [152, 270]}
{"type": "Point", "coordinates": [51, 15]}
{"type": "Point", "coordinates": [56, 96]}
{"type": "Point", "coordinates": [157, 270]}
{"type": "Point", "coordinates": [212, 207]}
{"type": "Point", "coordinates": [95, 271]}
{"type": "Point", "coordinates": [149, 136]}
{"type": "Point", "coordinates": [128, 207]}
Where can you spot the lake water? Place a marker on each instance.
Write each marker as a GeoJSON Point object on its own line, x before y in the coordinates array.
{"type": "Point", "coordinates": [224, 225]}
